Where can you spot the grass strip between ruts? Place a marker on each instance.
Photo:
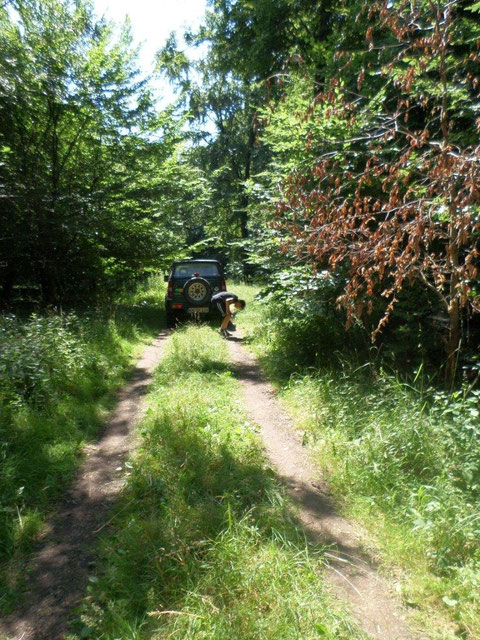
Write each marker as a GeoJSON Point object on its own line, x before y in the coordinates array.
{"type": "Point", "coordinates": [203, 543]}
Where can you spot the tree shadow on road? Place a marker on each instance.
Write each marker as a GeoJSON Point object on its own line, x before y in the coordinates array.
{"type": "Point", "coordinates": [204, 523]}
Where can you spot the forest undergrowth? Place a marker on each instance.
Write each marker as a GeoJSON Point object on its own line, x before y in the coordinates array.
{"type": "Point", "coordinates": [401, 456]}
{"type": "Point", "coordinates": [58, 375]}
{"type": "Point", "coordinates": [203, 543]}
{"type": "Point", "coordinates": [203, 530]}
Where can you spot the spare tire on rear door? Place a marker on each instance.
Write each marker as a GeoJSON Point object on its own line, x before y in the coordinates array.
{"type": "Point", "coordinates": [197, 291]}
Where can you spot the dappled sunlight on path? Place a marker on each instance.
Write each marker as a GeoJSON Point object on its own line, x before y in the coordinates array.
{"type": "Point", "coordinates": [58, 573]}
{"type": "Point", "coordinates": [352, 573]}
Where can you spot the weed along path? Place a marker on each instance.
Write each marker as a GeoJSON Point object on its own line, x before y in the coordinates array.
{"type": "Point", "coordinates": [59, 571]}
{"type": "Point", "coordinates": [352, 575]}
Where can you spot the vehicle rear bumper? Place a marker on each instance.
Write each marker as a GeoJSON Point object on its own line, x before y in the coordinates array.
{"type": "Point", "coordinates": [180, 308]}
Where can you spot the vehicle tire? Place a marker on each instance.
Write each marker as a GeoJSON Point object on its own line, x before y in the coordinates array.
{"type": "Point", "coordinates": [197, 291]}
{"type": "Point", "coordinates": [171, 320]}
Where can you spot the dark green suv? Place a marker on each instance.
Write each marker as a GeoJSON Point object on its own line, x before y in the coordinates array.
{"type": "Point", "coordinates": [191, 285]}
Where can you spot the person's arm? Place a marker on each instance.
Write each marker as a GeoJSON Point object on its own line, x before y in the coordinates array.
{"type": "Point", "coordinates": [228, 302]}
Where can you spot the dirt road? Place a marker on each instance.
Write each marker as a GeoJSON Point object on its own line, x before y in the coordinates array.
{"type": "Point", "coordinates": [352, 574]}
{"type": "Point", "coordinates": [58, 573]}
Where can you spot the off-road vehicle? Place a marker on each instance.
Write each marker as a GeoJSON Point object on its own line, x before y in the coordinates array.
{"type": "Point", "coordinates": [191, 285]}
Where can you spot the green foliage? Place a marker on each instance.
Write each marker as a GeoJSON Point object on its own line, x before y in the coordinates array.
{"type": "Point", "coordinates": [400, 455]}
{"type": "Point", "coordinates": [42, 358]}
{"type": "Point", "coordinates": [94, 187]}
{"type": "Point", "coordinates": [57, 377]}
{"type": "Point", "coordinates": [408, 457]}
{"type": "Point", "coordinates": [297, 128]}
{"type": "Point", "coordinates": [203, 530]}
{"type": "Point", "coordinates": [295, 320]}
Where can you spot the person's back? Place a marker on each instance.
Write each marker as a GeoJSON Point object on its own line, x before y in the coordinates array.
{"type": "Point", "coordinates": [223, 296]}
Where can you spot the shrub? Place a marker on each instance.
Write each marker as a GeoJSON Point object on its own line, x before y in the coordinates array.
{"type": "Point", "coordinates": [57, 373]}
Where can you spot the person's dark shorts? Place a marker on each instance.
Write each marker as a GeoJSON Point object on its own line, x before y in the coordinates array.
{"type": "Point", "coordinates": [220, 305]}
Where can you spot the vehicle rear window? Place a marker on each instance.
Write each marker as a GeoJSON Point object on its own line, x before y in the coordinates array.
{"type": "Point", "coordinates": [205, 269]}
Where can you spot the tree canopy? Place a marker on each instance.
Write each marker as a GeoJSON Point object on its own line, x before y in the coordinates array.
{"type": "Point", "coordinates": [312, 137]}
{"type": "Point", "coordinates": [90, 172]}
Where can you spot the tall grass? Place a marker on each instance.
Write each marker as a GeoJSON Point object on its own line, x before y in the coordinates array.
{"type": "Point", "coordinates": [58, 373]}
{"type": "Point", "coordinates": [401, 456]}
{"type": "Point", "coordinates": [203, 544]}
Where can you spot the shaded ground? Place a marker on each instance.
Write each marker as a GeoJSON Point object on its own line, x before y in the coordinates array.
{"type": "Point", "coordinates": [352, 574]}
{"type": "Point", "coordinates": [58, 573]}
{"type": "Point", "coordinates": [60, 570]}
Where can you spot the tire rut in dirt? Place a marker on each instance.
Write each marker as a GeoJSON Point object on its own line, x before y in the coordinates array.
{"type": "Point", "coordinates": [59, 571]}
{"type": "Point", "coordinates": [352, 574]}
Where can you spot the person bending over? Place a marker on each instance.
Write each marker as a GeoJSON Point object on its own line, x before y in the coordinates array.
{"type": "Point", "coordinates": [222, 301]}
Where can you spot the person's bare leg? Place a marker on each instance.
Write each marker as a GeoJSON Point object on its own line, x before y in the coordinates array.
{"type": "Point", "coordinates": [225, 321]}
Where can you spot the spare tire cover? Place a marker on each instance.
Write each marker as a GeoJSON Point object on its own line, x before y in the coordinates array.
{"type": "Point", "coordinates": [197, 291]}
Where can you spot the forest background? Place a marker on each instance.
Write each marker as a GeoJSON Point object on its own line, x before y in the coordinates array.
{"type": "Point", "coordinates": [328, 152]}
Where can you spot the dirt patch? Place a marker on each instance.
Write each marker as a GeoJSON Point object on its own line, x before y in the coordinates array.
{"type": "Point", "coordinates": [352, 574]}
{"type": "Point", "coordinates": [59, 571]}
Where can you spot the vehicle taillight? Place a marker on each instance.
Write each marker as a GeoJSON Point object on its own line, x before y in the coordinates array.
{"type": "Point", "coordinates": [170, 290]}
{"type": "Point", "coordinates": [223, 285]}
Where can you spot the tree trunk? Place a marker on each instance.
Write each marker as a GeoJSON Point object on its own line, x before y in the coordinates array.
{"type": "Point", "coordinates": [454, 335]}
{"type": "Point", "coordinates": [48, 285]}
{"type": "Point", "coordinates": [244, 201]}
{"type": "Point", "coordinates": [453, 344]}
{"type": "Point", "coordinates": [8, 282]}
{"type": "Point", "coordinates": [246, 176]}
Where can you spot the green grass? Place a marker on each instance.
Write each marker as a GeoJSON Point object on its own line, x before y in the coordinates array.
{"type": "Point", "coordinates": [402, 458]}
{"type": "Point", "coordinates": [399, 466]}
{"type": "Point", "coordinates": [203, 543]}
{"type": "Point", "coordinates": [58, 374]}
{"type": "Point", "coordinates": [245, 292]}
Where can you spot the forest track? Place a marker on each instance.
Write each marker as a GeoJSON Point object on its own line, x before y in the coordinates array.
{"type": "Point", "coordinates": [59, 571]}
{"type": "Point", "coordinates": [352, 574]}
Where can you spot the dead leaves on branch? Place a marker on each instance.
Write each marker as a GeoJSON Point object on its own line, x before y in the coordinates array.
{"type": "Point", "coordinates": [399, 199]}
